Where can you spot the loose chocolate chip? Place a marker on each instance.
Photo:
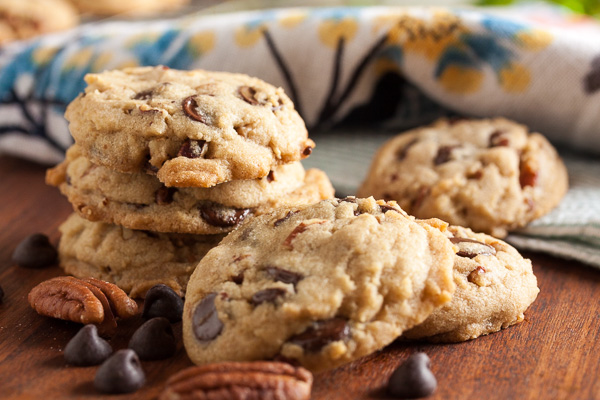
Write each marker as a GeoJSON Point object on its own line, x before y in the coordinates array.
{"type": "Point", "coordinates": [35, 251]}
{"type": "Point", "coordinates": [87, 348]}
{"type": "Point", "coordinates": [269, 295]}
{"type": "Point", "coordinates": [224, 217]}
{"type": "Point", "coordinates": [164, 195]}
{"type": "Point", "coordinates": [282, 220]}
{"type": "Point", "coordinates": [190, 106]}
{"type": "Point", "coordinates": [443, 155]}
{"type": "Point", "coordinates": [154, 340]}
{"type": "Point", "coordinates": [471, 248]}
{"type": "Point", "coordinates": [413, 379]}
{"type": "Point", "coordinates": [162, 301]}
{"type": "Point", "coordinates": [307, 151]}
{"type": "Point", "coordinates": [121, 373]}
{"type": "Point", "coordinates": [321, 333]}
{"type": "Point", "coordinates": [192, 149]}
{"type": "Point", "coordinates": [282, 275]}
{"type": "Point", "coordinates": [271, 176]}
{"type": "Point", "coordinates": [248, 94]}
{"type": "Point", "coordinates": [401, 154]}
{"type": "Point", "coordinates": [205, 320]}
{"type": "Point", "coordinates": [497, 138]}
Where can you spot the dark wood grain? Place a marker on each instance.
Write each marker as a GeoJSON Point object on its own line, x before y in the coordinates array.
{"type": "Point", "coordinates": [553, 354]}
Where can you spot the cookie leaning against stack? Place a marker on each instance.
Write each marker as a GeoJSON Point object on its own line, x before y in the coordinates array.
{"type": "Point", "coordinates": [170, 161]}
{"type": "Point", "coordinates": [322, 284]}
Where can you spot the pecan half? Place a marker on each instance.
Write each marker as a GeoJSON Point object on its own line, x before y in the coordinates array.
{"type": "Point", "coordinates": [87, 301]}
{"type": "Point", "coordinates": [237, 380]}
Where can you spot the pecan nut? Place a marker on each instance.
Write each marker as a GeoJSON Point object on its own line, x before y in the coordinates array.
{"type": "Point", "coordinates": [237, 380]}
{"type": "Point", "coordinates": [85, 301]}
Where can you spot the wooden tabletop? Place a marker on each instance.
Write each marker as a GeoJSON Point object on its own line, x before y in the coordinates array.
{"type": "Point", "coordinates": [553, 354]}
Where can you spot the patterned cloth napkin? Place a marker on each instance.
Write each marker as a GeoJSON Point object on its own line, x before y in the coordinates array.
{"type": "Point", "coordinates": [390, 68]}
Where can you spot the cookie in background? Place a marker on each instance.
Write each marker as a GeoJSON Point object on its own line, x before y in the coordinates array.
{"type": "Point", "coordinates": [491, 175]}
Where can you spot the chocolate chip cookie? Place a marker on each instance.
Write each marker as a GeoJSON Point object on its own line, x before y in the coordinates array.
{"type": "Point", "coordinates": [491, 175]}
{"type": "Point", "coordinates": [141, 201]}
{"type": "Point", "coordinates": [20, 19]}
{"type": "Point", "coordinates": [494, 287]}
{"type": "Point", "coordinates": [133, 260]}
{"type": "Point", "coordinates": [321, 285]}
{"type": "Point", "coordinates": [190, 128]}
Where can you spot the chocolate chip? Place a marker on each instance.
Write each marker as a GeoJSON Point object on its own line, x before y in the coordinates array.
{"type": "Point", "coordinates": [224, 217]}
{"type": "Point", "coordinates": [307, 151]}
{"type": "Point", "coordinates": [471, 248]}
{"type": "Point", "coordinates": [282, 220]}
{"type": "Point", "coordinates": [412, 379]}
{"type": "Point", "coordinates": [348, 199]}
{"type": "Point", "coordinates": [205, 320]}
{"type": "Point", "coordinates": [271, 176]}
{"type": "Point", "coordinates": [121, 373]}
{"type": "Point", "coordinates": [87, 348]}
{"type": "Point", "coordinates": [269, 295]}
{"type": "Point", "coordinates": [164, 195]}
{"type": "Point", "coordinates": [238, 279]}
{"type": "Point", "coordinates": [282, 275]}
{"type": "Point", "coordinates": [443, 155]}
{"type": "Point", "coordinates": [154, 340]}
{"type": "Point", "coordinates": [144, 95]}
{"type": "Point", "coordinates": [497, 138]}
{"type": "Point", "coordinates": [35, 251]}
{"type": "Point", "coordinates": [248, 94]}
{"type": "Point", "coordinates": [162, 301]}
{"type": "Point", "coordinates": [401, 154]}
{"type": "Point", "coordinates": [385, 207]}
{"type": "Point", "coordinates": [321, 333]}
{"type": "Point", "coordinates": [190, 106]}
{"type": "Point", "coordinates": [475, 276]}
{"type": "Point", "coordinates": [192, 149]}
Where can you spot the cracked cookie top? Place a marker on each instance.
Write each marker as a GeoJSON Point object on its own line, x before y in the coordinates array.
{"type": "Point", "coordinates": [322, 285]}
{"type": "Point", "coordinates": [190, 128]}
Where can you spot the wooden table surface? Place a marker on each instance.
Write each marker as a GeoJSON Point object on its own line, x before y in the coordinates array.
{"type": "Point", "coordinates": [553, 354]}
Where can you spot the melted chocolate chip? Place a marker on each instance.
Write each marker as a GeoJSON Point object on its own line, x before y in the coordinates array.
{"type": "Point", "coordinates": [164, 195]}
{"type": "Point", "coordinates": [385, 207]}
{"type": "Point", "coordinates": [527, 175]}
{"type": "Point", "coordinates": [271, 176]}
{"type": "Point", "coordinates": [121, 373]}
{"type": "Point", "coordinates": [348, 199]}
{"type": "Point", "coordinates": [322, 333]}
{"type": "Point", "coordinates": [238, 279]}
{"type": "Point", "coordinates": [162, 301]}
{"type": "Point", "coordinates": [223, 217]}
{"type": "Point", "coordinates": [401, 154]}
{"type": "Point", "coordinates": [412, 379]}
{"type": "Point", "coordinates": [282, 275]}
{"type": "Point", "coordinates": [154, 340]}
{"type": "Point", "coordinates": [443, 155]}
{"type": "Point", "coordinates": [87, 348]}
{"type": "Point", "coordinates": [307, 151]}
{"type": "Point", "coordinates": [190, 106]}
{"type": "Point", "coordinates": [248, 94]}
{"type": "Point", "coordinates": [267, 295]}
{"type": "Point", "coordinates": [282, 220]}
{"type": "Point", "coordinates": [475, 275]}
{"type": "Point", "coordinates": [193, 149]}
{"type": "Point", "coordinates": [35, 251]}
{"type": "Point", "coordinates": [471, 248]}
{"type": "Point", "coordinates": [205, 320]}
{"type": "Point", "coordinates": [144, 95]}
{"type": "Point", "coordinates": [497, 138]}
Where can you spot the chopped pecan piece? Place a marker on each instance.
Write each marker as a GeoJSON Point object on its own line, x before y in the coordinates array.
{"type": "Point", "coordinates": [528, 174]}
{"type": "Point", "coordinates": [237, 380]}
{"type": "Point", "coordinates": [299, 229]}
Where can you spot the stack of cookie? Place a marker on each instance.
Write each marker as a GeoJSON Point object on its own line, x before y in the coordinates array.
{"type": "Point", "coordinates": [166, 163]}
